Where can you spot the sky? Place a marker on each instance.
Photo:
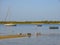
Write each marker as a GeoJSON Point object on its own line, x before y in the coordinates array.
{"type": "Point", "coordinates": [29, 10]}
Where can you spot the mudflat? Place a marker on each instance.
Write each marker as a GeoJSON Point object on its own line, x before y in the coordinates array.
{"type": "Point", "coordinates": [12, 36]}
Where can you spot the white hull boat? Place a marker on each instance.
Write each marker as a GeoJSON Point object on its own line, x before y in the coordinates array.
{"type": "Point", "coordinates": [10, 24]}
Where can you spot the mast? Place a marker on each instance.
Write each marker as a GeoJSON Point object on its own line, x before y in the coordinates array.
{"type": "Point", "coordinates": [7, 14]}
{"type": "Point", "coordinates": [8, 24]}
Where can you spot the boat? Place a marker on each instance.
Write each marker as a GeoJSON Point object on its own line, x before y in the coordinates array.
{"type": "Point", "coordinates": [8, 24]}
{"type": "Point", "coordinates": [54, 27]}
{"type": "Point", "coordinates": [39, 25]}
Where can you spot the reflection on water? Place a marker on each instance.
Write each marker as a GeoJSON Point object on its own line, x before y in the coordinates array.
{"type": "Point", "coordinates": [52, 39]}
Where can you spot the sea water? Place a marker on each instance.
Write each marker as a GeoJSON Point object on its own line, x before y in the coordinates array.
{"type": "Point", "coordinates": [29, 28]}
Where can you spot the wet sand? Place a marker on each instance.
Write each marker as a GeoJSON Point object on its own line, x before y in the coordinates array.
{"type": "Point", "coordinates": [12, 36]}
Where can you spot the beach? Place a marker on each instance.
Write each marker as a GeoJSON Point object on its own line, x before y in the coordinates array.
{"type": "Point", "coordinates": [12, 36]}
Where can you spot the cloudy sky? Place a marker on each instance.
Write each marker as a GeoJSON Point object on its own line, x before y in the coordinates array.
{"type": "Point", "coordinates": [29, 10]}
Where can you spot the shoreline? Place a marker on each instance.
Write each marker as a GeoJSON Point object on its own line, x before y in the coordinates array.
{"type": "Point", "coordinates": [12, 36]}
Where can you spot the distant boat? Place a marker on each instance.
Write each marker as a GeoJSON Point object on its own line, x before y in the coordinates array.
{"type": "Point", "coordinates": [39, 25]}
{"type": "Point", "coordinates": [8, 24]}
{"type": "Point", "coordinates": [53, 27]}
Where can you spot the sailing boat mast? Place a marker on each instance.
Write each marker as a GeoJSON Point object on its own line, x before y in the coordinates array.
{"type": "Point", "coordinates": [8, 24]}
{"type": "Point", "coordinates": [7, 14]}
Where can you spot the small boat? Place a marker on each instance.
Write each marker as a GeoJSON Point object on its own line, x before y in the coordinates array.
{"type": "Point", "coordinates": [10, 24]}
{"type": "Point", "coordinates": [54, 27]}
{"type": "Point", "coordinates": [39, 25]}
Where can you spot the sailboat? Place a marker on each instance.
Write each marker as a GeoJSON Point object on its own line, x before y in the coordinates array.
{"type": "Point", "coordinates": [9, 24]}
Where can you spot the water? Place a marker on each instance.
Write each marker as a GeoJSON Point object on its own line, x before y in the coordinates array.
{"type": "Point", "coordinates": [25, 28]}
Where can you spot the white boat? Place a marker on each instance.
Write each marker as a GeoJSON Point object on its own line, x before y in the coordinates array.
{"type": "Point", "coordinates": [10, 24]}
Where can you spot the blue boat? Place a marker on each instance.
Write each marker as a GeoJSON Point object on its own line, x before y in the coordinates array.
{"type": "Point", "coordinates": [39, 25]}
{"type": "Point", "coordinates": [53, 27]}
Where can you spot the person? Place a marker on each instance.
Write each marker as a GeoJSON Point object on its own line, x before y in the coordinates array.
{"type": "Point", "coordinates": [29, 35]}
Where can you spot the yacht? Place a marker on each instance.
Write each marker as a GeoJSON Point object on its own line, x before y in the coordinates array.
{"type": "Point", "coordinates": [9, 24]}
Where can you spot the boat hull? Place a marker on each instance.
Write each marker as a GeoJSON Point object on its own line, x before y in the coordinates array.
{"type": "Point", "coordinates": [53, 27]}
{"type": "Point", "coordinates": [10, 24]}
{"type": "Point", "coordinates": [39, 25]}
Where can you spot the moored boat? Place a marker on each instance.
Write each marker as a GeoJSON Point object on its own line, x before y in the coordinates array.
{"type": "Point", "coordinates": [39, 25]}
{"type": "Point", "coordinates": [10, 24]}
{"type": "Point", "coordinates": [54, 27]}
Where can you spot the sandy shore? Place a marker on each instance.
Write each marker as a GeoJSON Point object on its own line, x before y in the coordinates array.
{"type": "Point", "coordinates": [12, 36]}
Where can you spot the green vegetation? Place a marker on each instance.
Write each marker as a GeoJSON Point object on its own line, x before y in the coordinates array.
{"type": "Point", "coordinates": [30, 22]}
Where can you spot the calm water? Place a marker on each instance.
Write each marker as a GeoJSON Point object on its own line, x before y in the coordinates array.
{"type": "Point", "coordinates": [41, 40]}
